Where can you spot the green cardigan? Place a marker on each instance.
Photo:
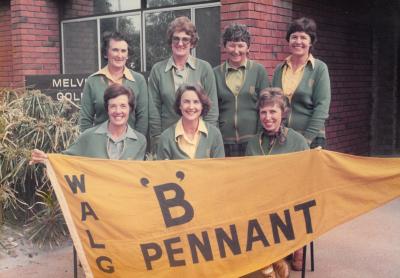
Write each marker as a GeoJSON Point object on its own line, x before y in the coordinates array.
{"type": "Point", "coordinates": [310, 101]}
{"type": "Point", "coordinates": [92, 105]}
{"type": "Point", "coordinates": [162, 94]}
{"type": "Point", "coordinates": [210, 145]}
{"type": "Point", "coordinates": [295, 142]}
{"type": "Point", "coordinates": [93, 143]}
{"type": "Point", "coordinates": [238, 115]}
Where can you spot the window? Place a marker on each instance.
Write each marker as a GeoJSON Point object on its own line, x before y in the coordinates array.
{"type": "Point", "coordinates": [81, 37]}
{"type": "Point", "coordinates": [156, 24]}
{"type": "Point", "coordinates": [163, 3]}
{"type": "Point", "coordinates": [80, 47]}
{"type": "Point", "coordinates": [107, 6]}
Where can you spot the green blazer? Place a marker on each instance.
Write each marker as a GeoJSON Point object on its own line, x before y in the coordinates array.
{"type": "Point", "coordinates": [93, 112]}
{"type": "Point", "coordinates": [238, 115]}
{"type": "Point", "coordinates": [295, 142]}
{"type": "Point", "coordinates": [210, 145]}
{"type": "Point", "coordinates": [162, 94]}
{"type": "Point", "coordinates": [93, 143]}
{"type": "Point", "coordinates": [310, 101]}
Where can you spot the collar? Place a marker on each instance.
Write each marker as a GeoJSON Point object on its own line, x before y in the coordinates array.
{"type": "Point", "coordinates": [104, 71]}
{"type": "Point", "coordinates": [191, 62]}
{"type": "Point", "coordinates": [103, 129]}
{"type": "Point", "coordinates": [179, 131]}
{"type": "Point", "coordinates": [310, 60]}
{"type": "Point", "coordinates": [244, 65]}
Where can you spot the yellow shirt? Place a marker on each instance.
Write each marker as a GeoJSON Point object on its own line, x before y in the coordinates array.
{"type": "Point", "coordinates": [291, 78]}
{"type": "Point", "coordinates": [185, 144]}
{"type": "Point", "coordinates": [235, 77]}
{"type": "Point", "coordinates": [127, 74]}
{"type": "Point", "coordinates": [180, 76]}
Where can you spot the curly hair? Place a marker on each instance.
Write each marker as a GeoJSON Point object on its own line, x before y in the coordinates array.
{"type": "Point", "coordinates": [201, 94]}
{"type": "Point", "coordinates": [274, 95]}
{"type": "Point", "coordinates": [183, 24]}
{"type": "Point", "coordinates": [236, 32]}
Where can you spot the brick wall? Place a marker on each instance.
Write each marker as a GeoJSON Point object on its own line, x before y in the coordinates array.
{"type": "Point", "coordinates": [385, 123]}
{"type": "Point", "coordinates": [35, 38]}
{"type": "Point", "coordinates": [267, 21]}
{"type": "Point", "coordinates": [77, 8]}
{"type": "Point", "coordinates": [344, 44]}
{"type": "Point", "coordinates": [5, 44]}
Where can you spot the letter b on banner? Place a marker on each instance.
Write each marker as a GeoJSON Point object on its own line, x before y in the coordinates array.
{"type": "Point", "coordinates": [177, 201]}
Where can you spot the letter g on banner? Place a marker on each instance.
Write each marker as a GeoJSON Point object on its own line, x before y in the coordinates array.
{"type": "Point", "coordinates": [177, 201]}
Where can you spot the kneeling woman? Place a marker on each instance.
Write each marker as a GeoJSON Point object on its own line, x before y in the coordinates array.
{"type": "Point", "coordinates": [275, 138]}
{"type": "Point", "coordinates": [273, 107]}
{"type": "Point", "coordinates": [191, 137]}
{"type": "Point", "coordinates": [113, 139]}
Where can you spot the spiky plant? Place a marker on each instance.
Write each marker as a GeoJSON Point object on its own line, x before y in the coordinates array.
{"type": "Point", "coordinates": [30, 120]}
{"type": "Point", "coordinates": [47, 225]}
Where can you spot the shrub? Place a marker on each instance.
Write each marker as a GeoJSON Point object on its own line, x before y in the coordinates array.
{"type": "Point", "coordinates": [28, 120]}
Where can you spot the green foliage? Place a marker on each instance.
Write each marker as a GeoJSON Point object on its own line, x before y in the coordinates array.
{"type": "Point", "coordinates": [29, 120]}
{"type": "Point", "coordinates": [47, 226]}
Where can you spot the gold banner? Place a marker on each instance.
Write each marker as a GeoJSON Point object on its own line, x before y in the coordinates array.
{"type": "Point", "coordinates": [211, 217]}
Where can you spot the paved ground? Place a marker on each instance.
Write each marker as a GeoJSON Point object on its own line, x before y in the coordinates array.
{"type": "Point", "coordinates": [368, 246]}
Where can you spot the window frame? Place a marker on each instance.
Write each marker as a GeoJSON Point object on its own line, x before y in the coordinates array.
{"type": "Point", "coordinates": [142, 13]}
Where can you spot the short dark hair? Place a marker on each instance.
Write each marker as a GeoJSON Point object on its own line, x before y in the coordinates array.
{"type": "Point", "coordinates": [236, 32]}
{"type": "Point", "coordinates": [274, 95]}
{"type": "Point", "coordinates": [201, 94]}
{"type": "Point", "coordinates": [116, 90]}
{"type": "Point", "coordinates": [183, 24]}
{"type": "Point", "coordinates": [116, 36]}
{"type": "Point", "coordinates": [304, 24]}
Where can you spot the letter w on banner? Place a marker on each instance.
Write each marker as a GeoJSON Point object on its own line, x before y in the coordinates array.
{"type": "Point", "coordinates": [211, 218]}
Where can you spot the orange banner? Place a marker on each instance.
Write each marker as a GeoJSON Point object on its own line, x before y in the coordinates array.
{"type": "Point", "coordinates": [211, 217]}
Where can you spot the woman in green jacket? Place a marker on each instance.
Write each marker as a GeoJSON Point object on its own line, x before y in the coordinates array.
{"type": "Point", "coordinates": [239, 82]}
{"type": "Point", "coordinates": [275, 138]}
{"type": "Point", "coordinates": [113, 139]}
{"type": "Point", "coordinates": [305, 80]}
{"type": "Point", "coordinates": [167, 75]}
{"type": "Point", "coordinates": [115, 49]}
{"type": "Point", "coordinates": [191, 137]}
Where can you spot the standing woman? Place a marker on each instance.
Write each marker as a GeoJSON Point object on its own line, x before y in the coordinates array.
{"type": "Point", "coordinates": [305, 80]}
{"type": "Point", "coordinates": [167, 75]}
{"type": "Point", "coordinates": [239, 81]}
{"type": "Point", "coordinates": [115, 49]}
{"type": "Point", "coordinates": [190, 137]}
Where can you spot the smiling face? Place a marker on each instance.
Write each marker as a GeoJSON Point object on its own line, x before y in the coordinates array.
{"type": "Point", "coordinates": [271, 117]}
{"type": "Point", "coordinates": [181, 45]}
{"type": "Point", "coordinates": [118, 111]}
{"type": "Point", "coordinates": [299, 44]}
{"type": "Point", "coordinates": [237, 52]}
{"type": "Point", "coordinates": [190, 106]}
{"type": "Point", "coordinates": [117, 54]}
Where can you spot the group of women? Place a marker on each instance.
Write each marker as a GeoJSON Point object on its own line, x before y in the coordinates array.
{"type": "Point", "coordinates": [190, 110]}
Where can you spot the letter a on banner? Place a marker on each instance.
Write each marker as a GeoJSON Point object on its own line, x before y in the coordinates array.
{"type": "Point", "coordinates": [200, 218]}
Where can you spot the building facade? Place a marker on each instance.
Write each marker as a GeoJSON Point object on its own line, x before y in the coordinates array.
{"type": "Point", "coordinates": [358, 40]}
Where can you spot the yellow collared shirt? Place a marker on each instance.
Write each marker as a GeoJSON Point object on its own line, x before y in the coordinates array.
{"type": "Point", "coordinates": [185, 144]}
{"type": "Point", "coordinates": [127, 74]}
{"type": "Point", "coordinates": [235, 77]}
{"type": "Point", "coordinates": [291, 78]}
{"type": "Point", "coordinates": [180, 76]}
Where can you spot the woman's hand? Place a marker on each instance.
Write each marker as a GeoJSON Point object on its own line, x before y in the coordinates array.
{"type": "Point", "coordinates": [37, 156]}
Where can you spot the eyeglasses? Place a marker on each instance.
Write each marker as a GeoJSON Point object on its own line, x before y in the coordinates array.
{"type": "Point", "coordinates": [184, 40]}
